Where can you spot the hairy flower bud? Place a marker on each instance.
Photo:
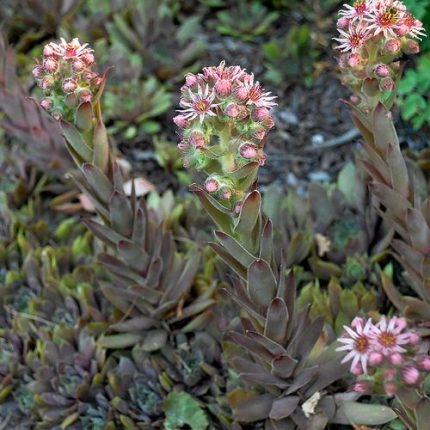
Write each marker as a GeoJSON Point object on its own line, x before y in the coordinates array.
{"type": "Point", "coordinates": [343, 23]}
{"type": "Point", "coordinates": [181, 121]}
{"type": "Point", "coordinates": [38, 72]}
{"type": "Point", "coordinates": [50, 65]}
{"type": "Point", "coordinates": [78, 65]}
{"type": "Point", "coordinates": [411, 47]}
{"type": "Point", "coordinates": [46, 103]}
{"type": "Point", "coordinates": [47, 83]}
{"type": "Point", "coordinates": [395, 359]}
{"type": "Point", "coordinates": [387, 84]}
{"type": "Point", "coordinates": [260, 114]}
{"type": "Point", "coordinates": [211, 185]}
{"type": "Point", "coordinates": [232, 110]}
{"type": "Point", "coordinates": [393, 46]}
{"type": "Point", "coordinates": [223, 87]}
{"type": "Point", "coordinates": [197, 139]}
{"type": "Point", "coordinates": [248, 151]}
{"type": "Point", "coordinates": [191, 80]}
{"type": "Point", "coordinates": [390, 389]}
{"type": "Point", "coordinates": [410, 375]}
{"type": "Point", "coordinates": [69, 85]}
{"type": "Point", "coordinates": [382, 71]}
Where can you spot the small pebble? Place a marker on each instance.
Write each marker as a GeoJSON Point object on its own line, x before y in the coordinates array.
{"type": "Point", "coordinates": [319, 176]}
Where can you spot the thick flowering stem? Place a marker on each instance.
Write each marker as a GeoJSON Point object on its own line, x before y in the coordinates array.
{"type": "Point", "coordinates": [139, 247]}
{"type": "Point", "coordinates": [371, 68]}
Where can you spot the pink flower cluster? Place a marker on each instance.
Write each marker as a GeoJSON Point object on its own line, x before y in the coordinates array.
{"type": "Point", "coordinates": [372, 35]}
{"type": "Point", "coordinates": [66, 77]}
{"type": "Point", "coordinates": [366, 19]}
{"type": "Point", "coordinates": [386, 348]}
{"type": "Point", "coordinates": [224, 112]}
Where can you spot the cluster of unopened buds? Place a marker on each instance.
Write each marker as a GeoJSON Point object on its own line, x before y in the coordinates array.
{"type": "Point", "coordinates": [224, 119]}
{"type": "Point", "coordinates": [384, 354]}
{"type": "Point", "coordinates": [66, 77]}
{"type": "Point", "coordinates": [373, 34]}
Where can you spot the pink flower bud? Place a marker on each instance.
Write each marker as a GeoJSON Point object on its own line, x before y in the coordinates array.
{"type": "Point", "coordinates": [181, 145]}
{"type": "Point", "coordinates": [85, 96]}
{"type": "Point", "coordinates": [47, 83]}
{"type": "Point", "coordinates": [393, 46]}
{"type": "Point", "coordinates": [382, 71]}
{"type": "Point", "coordinates": [50, 65]}
{"type": "Point", "coordinates": [268, 123]}
{"type": "Point", "coordinates": [387, 84]}
{"type": "Point", "coordinates": [181, 121]}
{"type": "Point", "coordinates": [46, 103]}
{"type": "Point", "coordinates": [88, 58]}
{"type": "Point", "coordinates": [191, 80]}
{"type": "Point", "coordinates": [211, 185]}
{"type": "Point", "coordinates": [357, 369]}
{"type": "Point", "coordinates": [375, 358]}
{"type": "Point", "coordinates": [260, 134]}
{"type": "Point", "coordinates": [226, 193]}
{"type": "Point", "coordinates": [260, 114]}
{"type": "Point", "coordinates": [238, 207]}
{"type": "Point", "coordinates": [197, 139]}
{"type": "Point", "coordinates": [401, 323]}
{"type": "Point", "coordinates": [78, 65]}
{"type": "Point", "coordinates": [261, 158]}
{"type": "Point", "coordinates": [395, 359]}
{"type": "Point", "coordinates": [248, 151]}
{"type": "Point", "coordinates": [410, 375]}
{"type": "Point", "coordinates": [69, 85]}
{"type": "Point", "coordinates": [48, 51]}
{"type": "Point", "coordinates": [424, 362]}
{"type": "Point", "coordinates": [355, 100]}
{"type": "Point", "coordinates": [412, 47]}
{"type": "Point", "coordinates": [38, 72]}
{"type": "Point", "coordinates": [390, 389]}
{"type": "Point", "coordinates": [241, 93]}
{"type": "Point", "coordinates": [355, 60]}
{"type": "Point", "coordinates": [343, 23]}
{"type": "Point", "coordinates": [223, 87]}
{"type": "Point", "coordinates": [362, 387]}
{"type": "Point", "coordinates": [390, 374]}
{"type": "Point", "coordinates": [414, 338]}
{"type": "Point", "coordinates": [232, 110]}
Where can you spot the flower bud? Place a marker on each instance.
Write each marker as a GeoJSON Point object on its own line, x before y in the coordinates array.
{"type": "Point", "coordinates": [375, 358]}
{"type": "Point", "coordinates": [357, 322]}
{"type": "Point", "coordinates": [197, 139]}
{"type": "Point", "coordinates": [260, 134]}
{"type": "Point", "coordinates": [393, 46]}
{"type": "Point", "coordinates": [395, 359]}
{"type": "Point", "coordinates": [362, 387]}
{"type": "Point", "coordinates": [382, 71]}
{"type": "Point", "coordinates": [38, 72]}
{"type": "Point", "coordinates": [387, 84]}
{"type": "Point", "coordinates": [78, 65]}
{"type": "Point", "coordinates": [402, 30]}
{"type": "Point", "coordinates": [390, 389]}
{"type": "Point", "coordinates": [355, 60]}
{"type": "Point", "coordinates": [226, 193]}
{"type": "Point", "coordinates": [414, 338]}
{"type": "Point", "coordinates": [211, 185]}
{"type": "Point", "coordinates": [424, 362]}
{"type": "Point", "coordinates": [232, 110]}
{"type": "Point", "coordinates": [355, 100]}
{"type": "Point", "coordinates": [46, 103]}
{"type": "Point", "coordinates": [248, 151]}
{"type": "Point", "coordinates": [69, 85]}
{"type": "Point", "coordinates": [47, 83]}
{"type": "Point", "coordinates": [343, 23]}
{"type": "Point", "coordinates": [181, 121]}
{"type": "Point", "coordinates": [241, 93]}
{"type": "Point", "coordinates": [48, 51]}
{"type": "Point", "coordinates": [191, 80]}
{"type": "Point", "coordinates": [260, 114]}
{"type": "Point", "coordinates": [223, 87]}
{"type": "Point", "coordinates": [411, 47]}
{"type": "Point", "coordinates": [389, 375]}
{"type": "Point", "coordinates": [88, 58]}
{"type": "Point", "coordinates": [85, 96]}
{"type": "Point", "coordinates": [50, 65]}
{"type": "Point", "coordinates": [57, 115]}
{"type": "Point", "coordinates": [410, 375]}
{"type": "Point", "coordinates": [268, 123]}
{"type": "Point", "coordinates": [357, 370]}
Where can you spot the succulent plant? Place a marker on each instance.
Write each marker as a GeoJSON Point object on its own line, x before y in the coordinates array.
{"type": "Point", "coordinates": [26, 123]}
{"type": "Point", "coordinates": [279, 351]}
{"type": "Point", "coordinates": [246, 20]}
{"type": "Point", "coordinates": [148, 29]}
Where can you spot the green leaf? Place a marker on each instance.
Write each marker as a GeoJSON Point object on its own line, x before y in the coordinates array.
{"type": "Point", "coordinates": [182, 409]}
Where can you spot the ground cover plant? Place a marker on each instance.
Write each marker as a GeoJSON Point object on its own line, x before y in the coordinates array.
{"type": "Point", "coordinates": [182, 288]}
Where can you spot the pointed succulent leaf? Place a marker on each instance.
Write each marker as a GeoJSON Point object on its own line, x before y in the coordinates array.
{"type": "Point", "coordinates": [261, 283]}
{"type": "Point", "coordinates": [121, 215]}
{"type": "Point", "coordinates": [354, 413]}
{"type": "Point", "coordinates": [98, 182]}
{"type": "Point", "coordinates": [235, 248]}
{"type": "Point", "coordinates": [76, 142]}
{"type": "Point", "coordinates": [154, 340]}
{"type": "Point", "coordinates": [101, 147]}
{"type": "Point", "coordinates": [419, 231]}
{"type": "Point", "coordinates": [276, 321]}
{"type": "Point", "coordinates": [249, 407]}
{"type": "Point", "coordinates": [283, 365]}
{"type": "Point", "coordinates": [84, 117]}
{"type": "Point", "coordinates": [249, 215]}
{"type": "Point", "coordinates": [119, 341]}
{"type": "Point", "coordinates": [229, 260]}
{"type": "Point", "coordinates": [266, 242]}
{"type": "Point", "coordinates": [284, 407]}
{"type": "Point", "coordinates": [135, 257]}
